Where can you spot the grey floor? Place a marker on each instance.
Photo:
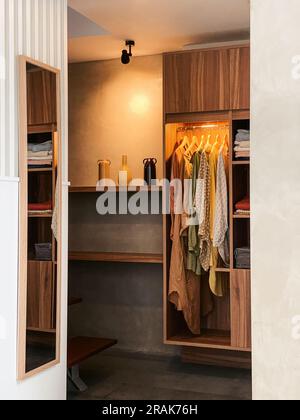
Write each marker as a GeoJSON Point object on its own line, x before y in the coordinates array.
{"type": "Point", "coordinates": [123, 376]}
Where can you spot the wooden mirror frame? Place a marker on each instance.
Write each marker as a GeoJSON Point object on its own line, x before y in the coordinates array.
{"type": "Point", "coordinates": [23, 219]}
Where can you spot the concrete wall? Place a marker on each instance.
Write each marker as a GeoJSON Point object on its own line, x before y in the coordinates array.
{"type": "Point", "coordinates": [114, 110]}
{"type": "Point", "coordinates": [121, 301]}
{"type": "Point", "coordinates": [37, 29]}
{"type": "Point", "coordinates": [275, 189]}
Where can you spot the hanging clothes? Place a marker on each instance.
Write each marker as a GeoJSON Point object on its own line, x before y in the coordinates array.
{"type": "Point", "coordinates": [184, 286]}
{"type": "Point", "coordinates": [202, 202]}
{"type": "Point", "coordinates": [221, 213]}
{"type": "Point", "coordinates": [193, 260]}
{"type": "Point", "coordinates": [215, 280]}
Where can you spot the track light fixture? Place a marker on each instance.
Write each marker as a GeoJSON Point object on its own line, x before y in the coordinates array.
{"type": "Point", "coordinates": [126, 55]}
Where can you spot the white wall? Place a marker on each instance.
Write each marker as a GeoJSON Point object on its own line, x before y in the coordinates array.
{"type": "Point", "coordinates": [276, 198]}
{"type": "Point", "coordinates": [36, 28]}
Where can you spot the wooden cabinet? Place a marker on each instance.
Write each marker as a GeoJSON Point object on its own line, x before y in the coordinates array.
{"type": "Point", "coordinates": [197, 81]}
{"type": "Point", "coordinates": [206, 81]}
{"type": "Point", "coordinates": [241, 309]}
{"type": "Point", "coordinates": [41, 103]}
{"type": "Point", "coordinates": [240, 78]}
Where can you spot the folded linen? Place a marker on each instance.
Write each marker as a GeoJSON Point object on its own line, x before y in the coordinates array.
{"type": "Point", "coordinates": [242, 149]}
{"type": "Point", "coordinates": [39, 162]}
{"type": "Point", "coordinates": [34, 155]}
{"type": "Point", "coordinates": [46, 206]}
{"type": "Point", "coordinates": [40, 147]}
{"type": "Point", "coordinates": [242, 144]}
{"type": "Point", "coordinates": [243, 204]}
{"type": "Point", "coordinates": [243, 257]}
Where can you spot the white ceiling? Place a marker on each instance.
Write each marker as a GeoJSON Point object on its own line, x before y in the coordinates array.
{"type": "Point", "coordinates": [157, 25]}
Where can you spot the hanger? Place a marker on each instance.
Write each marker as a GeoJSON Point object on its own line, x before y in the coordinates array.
{"type": "Point", "coordinates": [216, 143]}
{"type": "Point", "coordinates": [200, 148]}
{"type": "Point", "coordinates": [207, 144]}
{"type": "Point", "coordinates": [185, 142]}
{"type": "Point", "coordinates": [192, 145]}
{"type": "Point", "coordinates": [225, 144]}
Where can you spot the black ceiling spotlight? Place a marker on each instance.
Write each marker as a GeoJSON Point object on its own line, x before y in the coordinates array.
{"type": "Point", "coordinates": [126, 55]}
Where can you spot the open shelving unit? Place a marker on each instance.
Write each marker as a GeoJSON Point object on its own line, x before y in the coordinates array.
{"type": "Point", "coordinates": [228, 328]}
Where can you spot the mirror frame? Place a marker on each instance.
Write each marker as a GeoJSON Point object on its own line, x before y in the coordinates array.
{"type": "Point", "coordinates": [23, 220]}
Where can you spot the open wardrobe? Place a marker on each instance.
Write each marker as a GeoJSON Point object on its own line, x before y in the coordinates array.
{"type": "Point", "coordinates": [198, 240]}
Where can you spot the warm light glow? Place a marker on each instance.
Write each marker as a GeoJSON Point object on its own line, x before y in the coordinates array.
{"type": "Point", "coordinates": [139, 104]}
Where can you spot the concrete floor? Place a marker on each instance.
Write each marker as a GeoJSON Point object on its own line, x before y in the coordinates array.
{"type": "Point", "coordinates": [116, 375]}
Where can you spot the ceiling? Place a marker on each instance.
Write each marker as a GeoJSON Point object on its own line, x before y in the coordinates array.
{"type": "Point", "coordinates": [156, 25]}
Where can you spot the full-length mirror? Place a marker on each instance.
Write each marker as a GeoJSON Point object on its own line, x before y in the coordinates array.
{"type": "Point", "coordinates": [40, 211]}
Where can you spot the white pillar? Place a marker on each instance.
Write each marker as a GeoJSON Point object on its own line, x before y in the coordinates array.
{"type": "Point", "coordinates": [275, 190]}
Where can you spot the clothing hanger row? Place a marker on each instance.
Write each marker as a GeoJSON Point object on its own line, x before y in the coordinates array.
{"type": "Point", "coordinates": [202, 127]}
{"type": "Point", "coordinates": [205, 144]}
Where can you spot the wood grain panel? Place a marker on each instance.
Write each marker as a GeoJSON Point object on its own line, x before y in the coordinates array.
{"type": "Point", "coordinates": [197, 81]}
{"type": "Point", "coordinates": [41, 94]}
{"type": "Point", "coordinates": [241, 309]}
{"type": "Point", "coordinates": [116, 257]}
{"type": "Point", "coordinates": [240, 78]}
{"type": "Point", "coordinates": [39, 295]}
{"type": "Point", "coordinates": [215, 357]}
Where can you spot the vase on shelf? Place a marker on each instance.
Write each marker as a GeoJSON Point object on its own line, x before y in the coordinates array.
{"type": "Point", "coordinates": [124, 174]}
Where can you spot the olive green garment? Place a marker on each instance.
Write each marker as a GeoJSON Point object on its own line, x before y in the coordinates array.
{"type": "Point", "coordinates": [193, 260]}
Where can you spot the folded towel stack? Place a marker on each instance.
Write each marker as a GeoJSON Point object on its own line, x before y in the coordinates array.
{"type": "Point", "coordinates": [242, 258]}
{"type": "Point", "coordinates": [243, 207]}
{"type": "Point", "coordinates": [40, 154]}
{"type": "Point", "coordinates": [40, 208]}
{"type": "Point", "coordinates": [242, 144]}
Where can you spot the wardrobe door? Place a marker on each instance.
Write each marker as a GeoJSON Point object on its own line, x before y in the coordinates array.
{"type": "Point", "coordinates": [177, 75]}
{"type": "Point", "coordinates": [197, 81]}
{"type": "Point", "coordinates": [241, 309]}
{"type": "Point", "coordinates": [240, 78]}
{"type": "Point", "coordinates": [41, 104]}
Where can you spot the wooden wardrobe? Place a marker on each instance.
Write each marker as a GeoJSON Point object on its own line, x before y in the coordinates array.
{"type": "Point", "coordinates": [212, 86]}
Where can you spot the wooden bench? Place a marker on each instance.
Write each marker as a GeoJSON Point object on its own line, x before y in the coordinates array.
{"type": "Point", "coordinates": [81, 349]}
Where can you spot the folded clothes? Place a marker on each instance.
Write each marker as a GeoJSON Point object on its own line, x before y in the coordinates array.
{"type": "Point", "coordinates": [243, 144]}
{"type": "Point", "coordinates": [242, 149]}
{"type": "Point", "coordinates": [242, 258]}
{"type": "Point", "coordinates": [40, 162]}
{"type": "Point", "coordinates": [40, 147]}
{"type": "Point", "coordinates": [46, 206]}
{"type": "Point", "coordinates": [36, 155]}
{"type": "Point", "coordinates": [243, 204]}
{"type": "Point", "coordinates": [243, 212]}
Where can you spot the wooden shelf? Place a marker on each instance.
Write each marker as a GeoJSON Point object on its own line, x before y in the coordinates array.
{"type": "Point", "coordinates": [41, 129]}
{"type": "Point", "coordinates": [82, 348]}
{"type": "Point", "coordinates": [40, 216]}
{"type": "Point", "coordinates": [223, 270]}
{"type": "Point", "coordinates": [242, 216]}
{"type": "Point", "coordinates": [116, 257]}
{"type": "Point", "coordinates": [74, 301]}
{"type": "Point", "coordinates": [241, 162]}
{"type": "Point", "coordinates": [211, 339]}
{"type": "Point", "coordinates": [50, 169]}
{"type": "Point", "coordinates": [41, 330]}
{"type": "Point", "coordinates": [117, 189]}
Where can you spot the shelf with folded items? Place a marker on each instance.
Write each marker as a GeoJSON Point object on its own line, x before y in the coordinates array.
{"type": "Point", "coordinates": [241, 141]}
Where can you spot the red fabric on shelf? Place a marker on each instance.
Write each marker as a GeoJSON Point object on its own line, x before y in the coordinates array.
{"type": "Point", "coordinates": [243, 204]}
{"type": "Point", "coordinates": [40, 206]}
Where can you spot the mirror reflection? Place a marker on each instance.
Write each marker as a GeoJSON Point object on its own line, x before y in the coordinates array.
{"type": "Point", "coordinates": [42, 214]}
